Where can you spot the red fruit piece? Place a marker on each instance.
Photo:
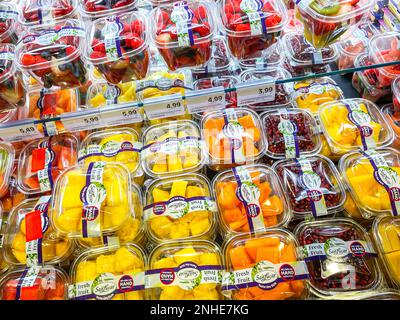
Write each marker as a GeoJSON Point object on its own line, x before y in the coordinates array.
{"type": "Point", "coordinates": [137, 27]}
{"type": "Point", "coordinates": [28, 60]}
{"type": "Point", "coordinates": [98, 45]}
{"type": "Point", "coordinates": [203, 29]}
{"type": "Point", "coordinates": [272, 20]}
{"type": "Point", "coordinates": [243, 27]}
{"type": "Point", "coordinates": [122, 3]}
{"type": "Point", "coordinates": [200, 12]}
{"type": "Point", "coordinates": [97, 55]}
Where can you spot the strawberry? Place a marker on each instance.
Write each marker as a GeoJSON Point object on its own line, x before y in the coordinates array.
{"type": "Point", "coordinates": [98, 45]}
{"type": "Point", "coordinates": [229, 8]}
{"type": "Point", "coordinates": [243, 27]}
{"type": "Point", "coordinates": [273, 20]}
{"type": "Point", "coordinates": [70, 50]}
{"type": "Point", "coordinates": [136, 42]}
{"type": "Point", "coordinates": [122, 3]}
{"type": "Point", "coordinates": [203, 29]}
{"type": "Point", "coordinates": [28, 60]}
{"type": "Point", "coordinates": [200, 12]}
{"type": "Point", "coordinates": [97, 55]}
{"type": "Point", "coordinates": [137, 27]}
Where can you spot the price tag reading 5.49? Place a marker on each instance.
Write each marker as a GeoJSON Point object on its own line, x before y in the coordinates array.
{"type": "Point", "coordinates": [205, 100]}
{"type": "Point", "coordinates": [168, 106]}
{"type": "Point", "coordinates": [258, 91]}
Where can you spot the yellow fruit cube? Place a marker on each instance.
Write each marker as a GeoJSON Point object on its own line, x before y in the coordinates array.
{"type": "Point", "coordinates": [186, 254]}
{"type": "Point", "coordinates": [172, 293]}
{"type": "Point", "coordinates": [129, 230]}
{"type": "Point", "coordinates": [48, 250]}
{"type": "Point", "coordinates": [160, 195]}
{"type": "Point", "coordinates": [190, 161]}
{"type": "Point", "coordinates": [86, 271]}
{"type": "Point", "coordinates": [120, 296]}
{"type": "Point", "coordinates": [125, 260]}
{"type": "Point", "coordinates": [61, 248]}
{"type": "Point", "coordinates": [160, 167]}
{"type": "Point", "coordinates": [161, 226]}
{"type": "Point", "coordinates": [199, 226]}
{"type": "Point", "coordinates": [115, 215]}
{"type": "Point", "coordinates": [19, 242]}
{"type": "Point", "coordinates": [391, 238]}
{"type": "Point", "coordinates": [179, 231]}
{"type": "Point", "coordinates": [105, 263]}
{"type": "Point", "coordinates": [164, 263]}
{"type": "Point", "coordinates": [209, 259]}
{"type": "Point", "coordinates": [116, 193]}
{"type": "Point", "coordinates": [71, 196]}
{"type": "Point", "coordinates": [178, 188]}
{"type": "Point", "coordinates": [134, 295]}
{"type": "Point", "coordinates": [19, 255]}
{"type": "Point", "coordinates": [70, 220]}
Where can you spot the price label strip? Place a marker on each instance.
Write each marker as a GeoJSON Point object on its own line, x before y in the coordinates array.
{"type": "Point", "coordinates": [168, 106]}
{"type": "Point", "coordinates": [20, 131]}
{"type": "Point", "coordinates": [205, 100]}
{"type": "Point", "coordinates": [113, 116]}
{"type": "Point", "coordinates": [257, 91]}
{"type": "Point", "coordinates": [80, 121]}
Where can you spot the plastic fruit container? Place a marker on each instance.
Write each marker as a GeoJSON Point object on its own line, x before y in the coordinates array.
{"type": "Point", "coordinates": [53, 55]}
{"type": "Point", "coordinates": [290, 133]}
{"type": "Point", "coordinates": [340, 257]}
{"type": "Point", "coordinates": [372, 178]}
{"type": "Point", "coordinates": [13, 196]}
{"type": "Point", "coordinates": [324, 23]}
{"type": "Point", "coordinates": [311, 94]}
{"type": "Point", "coordinates": [298, 71]}
{"type": "Point", "coordinates": [232, 137]}
{"type": "Point", "coordinates": [42, 161]}
{"type": "Point", "coordinates": [119, 47]}
{"type": "Point", "coordinates": [392, 115]}
{"type": "Point", "coordinates": [9, 26]}
{"type": "Point", "coordinates": [12, 86]}
{"type": "Point", "coordinates": [250, 199]}
{"type": "Point", "coordinates": [353, 124]}
{"type": "Point", "coordinates": [396, 93]}
{"type": "Point", "coordinates": [172, 148]}
{"type": "Point", "coordinates": [185, 270]}
{"type": "Point", "coordinates": [270, 57]}
{"type": "Point", "coordinates": [48, 283]}
{"type": "Point", "coordinates": [108, 273]}
{"type": "Point", "coordinates": [252, 27]}
{"type": "Point", "coordinates": [312, 186]}
{"type": "Point", "coordinates": [386, 235]}
{"type": "Point", "coordinates": [179, 207]}
{"type": "Point", "coordinates": [282, 91]}
{"type": "Point", "coordinates": [28, 216]}
{"type": "Point", "coordinates": [105, 190]}
{"type": "Point", "coordinates": [7, 155]}
{"type": "Point", "coordinates": [264, 267]}
{"type": "Point", "coordinates": [39, 12]}
{"type": "Point", "coordinates": [183, 33]}
{"type": "Point", "coordinates": [94, 9]}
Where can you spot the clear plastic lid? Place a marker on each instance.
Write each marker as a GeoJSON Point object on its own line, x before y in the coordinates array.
{"type": "Point", "coordinates": [357, 43]}
{"type": "Point", "coordinates": [312, 185]}
{"type": "Point", "coordinates": [47, 283]}
{"type": "Point", "coordinates": [396, 92]}
{"type": "Point", "coordinates": [340, 257]}
{"type": "Point", "coordinates": [42, 161]}
{"type": "Point", "coordinates": [95, 9]}
{"type": "Point", "coordinates": [101, 94]}
{"type": "Point", "coordinates": [282, 91]}
{"type": "Point", "coordinates": [9, 28]}
{"type": "Point", "coordinates": [392, 115]}
{"type": "Point", "coordinates": [54, 248]}
{"type": "Point", "coordinates": [7, 155]}
{"type": "Point", "coordinates": [290, 133]}
{"type": "Point", "coordinates": [38, 12]}
{"type": "Point", "coordinates": [92, 200]}
{"type": "Point", "coordinates": [109, 273]}
{"type": "Point", "coordinates": [232, 137]}
{"type": "Point", "coordinates": [172, 148]}
{"type": "Point", "coordinates": [373, 178]}
{"type": "Point", "coordinates": [112, 145]}
{"type": "Point", "coordinates": [180, 207]}
{"type": "Point", "coordinates": [311, 94]}
{"type": "Point", "coordinates": [250, 198]}
{"type": "Point", "coordinates": [264, 267]}
{"type": "Point", "coordinates": [271, 57]}
{"type": "Point", "coordinates": [177, 271]}
{"type": "Point", "coordinates": [353, 124]}
{"type": "Point", "coordinates": [242, 18]}
{"type": "Point", "coordinates": [386, 233]}
{"type": "Point", "coordinates": [302, 53]}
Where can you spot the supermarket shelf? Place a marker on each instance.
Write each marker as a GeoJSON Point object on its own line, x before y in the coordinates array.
{"type": "Point", "coordinates": [167, 106]}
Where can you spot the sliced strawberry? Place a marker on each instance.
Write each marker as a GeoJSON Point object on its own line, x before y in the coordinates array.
{"type": "Point", "coordinates": [137, 27]}
{"type": "Point", "coordinates": [243, 27]}
{"type": "Point", "coordinates": [97, 55]}
{"type": "Point", "coordinates": [203, 29]}
{"type": "Point", "coordinates": [98, 45]}
{"type": "Point", "coordinates": [28, 60]}
{"type": "Point", "coordinates": [200, 12]}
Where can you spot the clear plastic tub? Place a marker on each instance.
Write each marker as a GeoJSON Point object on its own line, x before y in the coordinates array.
{"type": "Point", "coordinates": [172, 148]}
{"type": "Point", "coordinates": [324, 23]}
{"type": "Point", "coordinates": [9, 26]}
{"type": "Point", "coordinates": [91, 201]}
{"type": "Point", "coordinates": [183, 33]}
{"type": "Point", "coordinates": [311, 94]}
{"type": "Point", "coordinates": [95, 9]}
{"type": "Point", "coordinates": [13, 196]}
{"type": "Point", "coordinates": [53, 55]}
{"type": "Point", "coordinates": [312, 185]}
{"type": "Point", "coordinates": [119, 47]}
{"type": "Point", "coordinates": [41, 12]}
{"type": "Point", "coordinates": [48, 283]}
{"type": "Point", "coordinates": [340, 257]}
{"type": "Point", "coordinates": [264, 267]}
{"type": "Point", "coordinates": [180, 207]}
{"type": "Point", "coordinates": [270, 57]}
{"type": "Point", "coordinates": [252, 27]}
{"type": "Point", "coordinates": [109, 273]}
{"type": "Point", "coordinates": [299, 71]}
{"type": "Point", "coordinates": [282, 91]}
{"type": "Point", "coordinates": [386, 235]}
{"type": "Point", "coordinates": [42, 161]}
{"type": "Point", "coordinates": [185, 270]}
{"type": "Point", "coordinates": [265, 205]}
{"type": "Point", "coordinates": [53, 249]}
{"type": "Point", "coordinates": [353, 124]}
{"type": "Point", "coordinates": [232, 137]}
{"type": "Point", "coordinates": [290, 133]}
{"type": "Point", "coordinates": [7, 155]}
{"type": "Point", "coordinates": [392, 115]}
{"type": "Point", "coordinates": [372, 178]}
{"type": "Point", "coordinates": [396, 93]}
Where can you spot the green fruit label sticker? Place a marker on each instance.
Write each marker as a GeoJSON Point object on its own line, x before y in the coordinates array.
{"type": "Point", "coordinates": [255, 15]}
{"type": "Point", "coordinates": [182, 16]}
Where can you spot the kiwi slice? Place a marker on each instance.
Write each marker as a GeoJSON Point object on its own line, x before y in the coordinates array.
{"type": "Point", "coordinates": [326, 7]}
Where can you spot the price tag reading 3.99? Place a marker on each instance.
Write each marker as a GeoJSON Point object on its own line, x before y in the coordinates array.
{"type": "Point", "coordinates": [169, 106]}
{"type": "Point", "coordinates": [206, 100]}
{"type": "Point", "coordinates": [255, 92]}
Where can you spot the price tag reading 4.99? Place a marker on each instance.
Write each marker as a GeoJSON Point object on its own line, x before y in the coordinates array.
{"type": "Point", "coordinates": [205, 100]}
{"type": "Point", "coordinates": [169, 106]}
{"type": "Point", "coordinates": [253, 92]}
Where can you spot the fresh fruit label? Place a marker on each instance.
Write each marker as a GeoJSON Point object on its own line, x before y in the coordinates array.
{"type": "Point", "coordinates": [42, 162]}
{"type": "Point", "coordinates": [182, 17]}
{"type": "Point", "coordinates": [187, 276]}
{"type": "Point", "coordinates": [177, 207]}
{"type": "Point", "coordinates": [110, 32]}
{"type": "Point", "coordinates": [311, 182]}
{"type": "Point", "coordinates": [172, 145]}
{"type": "Point", "coordinates": [45, 11]}
{"type": "Point", "coordinates": [289, 131]}
{"type": "Point", "coordinates": [8, 14]}
{"type": "Point", "coordinates": [248, 193]}
{"type": "Point", "coordinates": [253, 10]}
{"type": "Point", "coordinates": [315, 88]}
{"type": "Point", "coordinates": [386, 177]}
{"type": "Point", "coordinates": [48, 37]}
{"type": "Point", "coordinates": [303, 4]}
{"type": "Point", "coordinates": [36, 224]}
{"type": "Point", "coordinates": [317, 58]}
{"type": "Point", "coordinates": [362, 121]}
{"type": "Point", "coordinates": [7, 55]}
{"type": "Point", "coordinates": [92, 196]}
{"type": "Point", "coordinates": [111, 94]}
{"type": "Point", "coordinates": [234, 131]}
{"type": "Point", "coordinates": [27, 280]}
{"type": "Point", "coordinates": [106, 285]}
{"type": "Point", "coordinates": [265, 275]}
{"type": "Point", "coordinates": [46, 112]}
{"type": "Point", "coordinates": [109, 149]}
{"type": "Point", "coordinates": [338, 250]}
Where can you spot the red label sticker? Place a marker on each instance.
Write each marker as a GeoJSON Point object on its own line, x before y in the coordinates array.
{"type": "Point", "coordinates": [38, 159]}
{"type": "Point", "coordinates": [33, 226]}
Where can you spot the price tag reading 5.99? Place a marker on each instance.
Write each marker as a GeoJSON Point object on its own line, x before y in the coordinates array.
{"type": "Point", "coordinates": [255, 92]}
{"type": "Point", "coordinates": [118, 116]}
{"type": "Point", "coordinates": [80, 122]}
{"type": "Point", "coordinates": [169, 106]}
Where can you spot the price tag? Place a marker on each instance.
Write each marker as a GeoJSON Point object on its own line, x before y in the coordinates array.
{"type": "Point", "coordinates": [258, 91]}
{"type": "Point", "coordinates": [19, 132]}
{"type": "Point", "coordinates": [121, 115]}
{"type": "Point", "coordinates": [205, 100]}
{"type": "Point", "coordinates": [169, 106]}
{"type": "Point", "coordinates": [81, 121]}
